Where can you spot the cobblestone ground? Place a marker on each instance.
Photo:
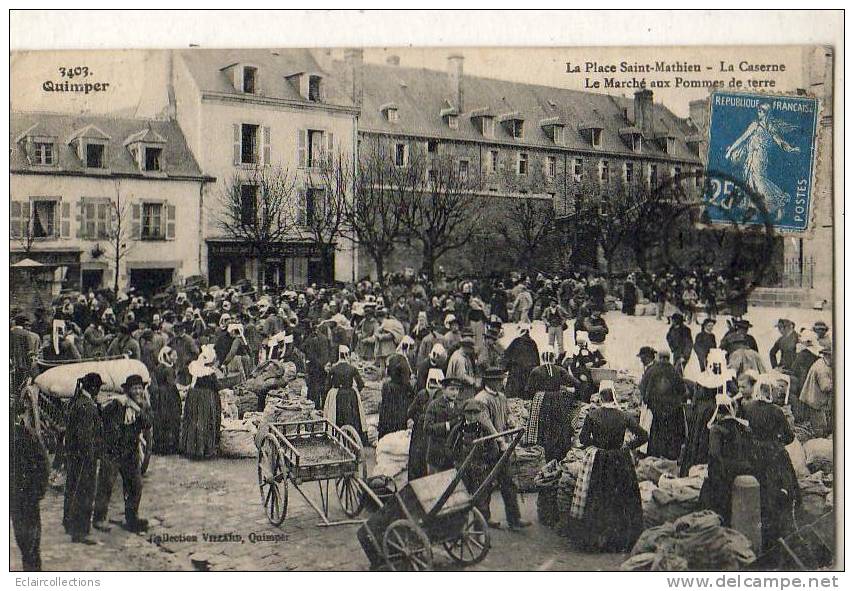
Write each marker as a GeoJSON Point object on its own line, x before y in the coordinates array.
{"type": "Point", "coordinates": [221, 496]}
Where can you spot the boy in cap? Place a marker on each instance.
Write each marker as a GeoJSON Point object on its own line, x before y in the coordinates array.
{"type": "Point", "coordinates": [441, 415]}
{"type": "Point", "coordinates": [497, 416]}
{"type": "Point", "coordinates": [784, 350]}
{"type": "Point", "coordinates": [821, 330]}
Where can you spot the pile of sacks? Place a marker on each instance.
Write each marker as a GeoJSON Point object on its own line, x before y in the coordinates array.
{"type": "Point", "coordinates": [652, 468]}
{"type": "Point", "coordinates": [282, 407]}
{"type": "Point", "coordinates": [671, 497]}
{"type": "Point", "coordinates": [696, 541]}
{"type": "Point", "coordinates": [229, 403]}
{"type": "Point", "coordinates": [813, 463]}
{"type": "Point", "coordinates": [372, 395]}
{"type": "Point", "coordinates": [529, 463]}
{"type": "Point", "coordinates": [237, 438]}
{"type": "Point", "coordinates": [518, 411]}
{"type": "Point", "coordinates": [393, 457]}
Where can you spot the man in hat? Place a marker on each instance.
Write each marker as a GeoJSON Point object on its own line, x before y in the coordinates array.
{"type": "Point", "coordinates": [738, 333]}
{"type": "Point", "coordinates": [125, 417]}
{"type": "Point", "coordinates": [491, 354]}
{"type": "Point", "coordinates": [83, 431]}
{"type": "Point", "coordinates": [555, 318]}
{"type": "Point", "coordinates": [784, 350]}
{"type": "Point", "coordinates": [124, 343]}
{"type": "Point", "coordinates": [816, 395]}
{"type": "Point", "coordinates": [581, 365]}
{"type": "Point", "coordinates": [808, 352]}
{"type": "Point", "coordinates": [441, 415]}
{"type": "Point", "coordinates": [663, 391]}
{"type": "Point", "coordinates": [318, 354]}
{"type": "Point", "coordinates": [680, 341]}
{"type": "Point", "coordinates": [821, 330]}
{"type": "Point", "coordinates": [461, 366]}
{"type": "Point", "coordinates": [595, 326]}
{"type": "Point", "coordinates": [23, 349]}
{"type": "Point", "coordinates": [461, 444]}
{"type": "Point", "coordinates": [742, 357]}
{"type": "Point", "coordinates": [497, 415]}
{"type": "Point", "coordinates": [451, 338]}
{"type": "Point", "coordinates": [521, 357]}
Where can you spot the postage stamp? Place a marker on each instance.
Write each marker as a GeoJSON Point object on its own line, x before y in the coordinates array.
{"type": "Point", "coordinates": [769, 142]}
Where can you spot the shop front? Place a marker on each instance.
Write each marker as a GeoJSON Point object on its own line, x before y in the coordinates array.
{"type": "Point", "coordinates": [39, 276]}
{"type": "Point", "coordinates": [285, 264]}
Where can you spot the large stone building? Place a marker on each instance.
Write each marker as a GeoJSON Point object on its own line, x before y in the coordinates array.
{"type": "Point", "coordinates": [82, 184]}
{"type": "Point", "coordinates": [245, 109]}
{"type": "Point", "coordinates": [521, 141]}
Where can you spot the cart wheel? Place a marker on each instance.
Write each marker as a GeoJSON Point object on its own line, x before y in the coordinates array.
{"type": "Point", "coordinates": [406, 547]}
{"type": "Point", "coordinates": [473, 544]}
{"type": "Point", "coordinates": [350, 492]}
{"type": "Point", "coordinates": [273, 480]}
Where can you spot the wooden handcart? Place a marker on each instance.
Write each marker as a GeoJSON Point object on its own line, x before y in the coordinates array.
{"type": "Point", "coordinates": [312, 451]}
{"type": "Point", "coordinates": [432, 510]}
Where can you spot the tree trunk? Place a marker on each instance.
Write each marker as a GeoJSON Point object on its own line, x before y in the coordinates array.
{"type": "Point", "coordinates": [259, 273]}
{"type": "Point", "coordinates": [428, 262]}
{"type": "Point", "coordinates": [379, 263]}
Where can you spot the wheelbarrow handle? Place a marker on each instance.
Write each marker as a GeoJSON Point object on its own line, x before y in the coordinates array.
{"type": "Point", "coordinates": [517, 431]}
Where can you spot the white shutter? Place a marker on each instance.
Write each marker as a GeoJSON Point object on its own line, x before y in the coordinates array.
{"type": "Point", "coordinates": [169, 215]}
{"type": "Point", "coordinates": [267, 155]}
{"type": "Point", "coordinates": [15, 220]}
{"type": "Point", "coordinates": [302, 142]}
{"type": "Point", "coordinates": [330, 146]}
{"type": "Point", "coordinates": [237, 146]}
{"type": "Point", "coordinates": [65, 219]}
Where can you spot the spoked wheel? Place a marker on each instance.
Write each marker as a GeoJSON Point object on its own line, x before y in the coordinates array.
{"type": "Point", "coordinates": [473, 544]}
{"type": "Point", "coordinates": [273, 480]}
{"type": "Point", "coordinates": [406, 547]}
{"type": "Point", "coordinates": [349, 491]}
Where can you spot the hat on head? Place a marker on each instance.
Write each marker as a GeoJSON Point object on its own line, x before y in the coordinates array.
{"type": "Point", "coordinates": [435, 377]}
{"type": "Point", "coordinates": [820, 324]}
{"type": "Point", "coordinates": [646, 351]}
{"type": "Point", "coordinates": [438, 351]}
{"type": "Point", "coordinates": [784, 322]}
{"type": "Point", "coordinates": [133, 380]}
{"type": "Point", "coordinates": [450, 318]}
{"type": "Point", "coordinates": [466, 342]}
{"type": "Point", "coordinates": [494, 373]}
{"type": "Point", "coordinates": [452, 382]}
{"type": "Point", "coordinates": [677, 317]}
{"type": "Point", "coordinates": [493, 332]}
{"type": "Point", "coordinates": [92, 381]}
{"type": "Point", "coordinates": [711, 321]}
{"type": "Point", "coordinates": [743, 323]}
{"type": "Point", "coordinates": [473, 406]}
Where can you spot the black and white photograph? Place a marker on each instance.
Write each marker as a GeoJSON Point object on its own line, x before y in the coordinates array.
{"type": "Point", "coordinates": [425, 307]}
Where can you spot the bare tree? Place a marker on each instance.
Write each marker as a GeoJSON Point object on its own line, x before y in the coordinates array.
{"type": "Point", "coordinates": [327, 204]}
{"type": "Point", "coordinates": [25, 235]}
{"type": "Point", "coordinates": [443, 214]}
{"type": "Point", "coordinates": [527, 225]}
{"type": "Point", "coordinates": [375, 215]}
{"type": "Point", "coordinates": [261, 208]}
{"type": "Point", "coordinates": [119, 233]}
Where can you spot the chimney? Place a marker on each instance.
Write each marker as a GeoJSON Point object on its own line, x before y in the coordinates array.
{"type": "Point", "coordinates": [393, 60]}
{"type": "Point", "coordinates": [354, 58]}
{"type": "Point", "coordinates": [455, 81]}
{"type": "Point", "coordinates": [644, 117]}
{"type": "Point", "coordinates": [698, 110]}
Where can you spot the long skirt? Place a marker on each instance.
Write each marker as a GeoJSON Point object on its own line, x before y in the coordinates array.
{"type": "Point", "coordinates": [666, 433]}
{"type": "Point", "coordinates": [716, 492]}
{"type": "Point", "coordinates": [201, 423]}
{"type": "Point", "coordinates": [79, 493]}
{"type": "Point", "coordinates": [779, 490]}
{"type": "Point", "coordinates": [417, 466]}
{"type": "Point", "coordinates": [347, 412]}
{"type": "Point", "coordinates": [612, 517]}
{"type": "Point", "coordinates": [166, 419]}
{"type": "Point", "coordinates": [697, 441]}
{"type": "Point", "coordinates": [315, 381]}
{"type": "Point", "coordinates": [517, 381]}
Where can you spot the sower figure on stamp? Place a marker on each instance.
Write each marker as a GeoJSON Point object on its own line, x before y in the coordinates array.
{"type": "Point", "coordinates": [125, 417]}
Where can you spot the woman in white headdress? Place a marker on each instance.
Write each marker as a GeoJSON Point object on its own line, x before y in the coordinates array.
{"type": "Point", "coordinates": [343, 404]}
{"type": "Point", "coordinates": [729, 451]}
{"type": "Point", "coordinates": [709, 384]}
{"type": "Point", "coordinates": [200, 428]}
{"type": "Point", "coordinates": [165, 403]}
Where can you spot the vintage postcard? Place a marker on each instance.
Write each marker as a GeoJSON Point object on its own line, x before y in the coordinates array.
{"type": "Point", "coordinates": [357, 307]}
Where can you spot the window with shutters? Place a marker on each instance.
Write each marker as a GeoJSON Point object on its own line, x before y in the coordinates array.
{"type": "Point", "coordinates": [464, 169]}
{"type": "Point", "coordinates": [152, 159]}
{"type": "Point", "coordinates": [94, 155]}
{"type": "Point", "coordinates": [314, 203]}
{"type": "Point", "coordinates": [551, 166]}
{"type": "Point", "coordinates": [250, 76]}
{"type": "Point", "coordinates": [604, 171]}
{"type": "Point", "coordinates": [96, 218]}
{"type": "Point", "coordinates": [249, 144]}
{"type": "Point", "coordinates": [152, 221]}
{"type": "Point", "coordinates": [248, 204]}
{"type": "Point", "coordinates": [522, 163]}
{"type": "Point", "coordinates": [43, 153]}
{"type": "Point", "coordinates": [492, 161]}
{"type": "Point", "coordinates": [628, 172]}
{"type": "Point", "coordinates": [578, 169]}
{"type": "Point", "coordinates": [316, 147]}
{"type": "Point", "coordinates": [653, 175]}
{"type": "Point", "coordinates": [44, 223]}
{"type": "Point", "coordinates": [401, 154]}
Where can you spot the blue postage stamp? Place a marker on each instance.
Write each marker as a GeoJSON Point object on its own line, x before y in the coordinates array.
{"type": "Point", "coordinates": [761, 159]}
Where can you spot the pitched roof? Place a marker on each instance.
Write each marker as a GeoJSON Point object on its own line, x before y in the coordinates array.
{"type": "Point", "coordinates": [176, 159]}
{"type": "Point", "coordinates": [208, 67]}
{"type": "Point", "coordinates": [422, 94]}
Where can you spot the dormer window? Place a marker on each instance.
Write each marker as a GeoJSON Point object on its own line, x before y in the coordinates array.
{"type": "Point", "coordinates": [250, 76]}
{"type": "Point", "coordinates": [517, 128]}
{"type": "Point", "coordinates": [557, 134]}
{"type": "Point", "coordinates": [637, 143]}
{"type": "Point", "coordinates": [43, 153]}
{"type": "Point", "coordinates": [487, 127]}
{"type": "Point", "coordinates": [94, 155]}
{"type": "Point", "coordinates": [596, 137]}
{"type": "Point", "coordinates": [453, 121]}
{"type": "Point", "coordinates": [392, 115]}
{"type": "Point", "coordinates": [151, 162]}
{"type": "Point", "coordinates": [670, 145]}
{"type": "Point", "coordinates": [315, 93]}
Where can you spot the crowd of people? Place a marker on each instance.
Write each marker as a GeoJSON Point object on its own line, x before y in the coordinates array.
{"type": "Point", "coordinates": [447, 377]}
